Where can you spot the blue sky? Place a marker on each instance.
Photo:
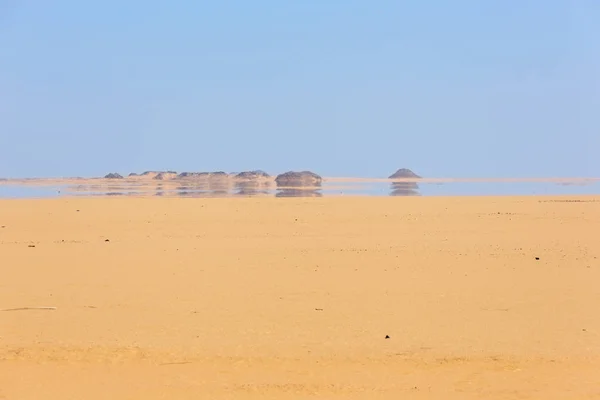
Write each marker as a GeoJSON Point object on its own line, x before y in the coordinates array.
{"type": "Point", "coordinates": [463, 88]}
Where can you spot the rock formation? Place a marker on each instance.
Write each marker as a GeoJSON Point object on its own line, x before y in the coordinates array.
{"type": "Point", "coordinates": [198, 175]}
{"type": "Point", "coordinates": [404, 173]}
{"type": "Point", "coordinates": [404, 188]}
{"type": "Point", "coordinates": [187, 175]}
{"type": "Point", "coordinates": [161, 176]}
{"type": "Point", "coordinates": [252, 175]}
{"type": "Point", "coordinates": [252, 183]}
{"type": "Point", "coordinates": [154, 174]}
{"type": "Point", "coordinates": [113, 175]}
{"type": "Point", "coordinates": [298, 179]}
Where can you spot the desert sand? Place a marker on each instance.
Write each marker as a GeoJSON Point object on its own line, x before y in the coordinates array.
{"type": "Point", "coordinates": [266, 298]}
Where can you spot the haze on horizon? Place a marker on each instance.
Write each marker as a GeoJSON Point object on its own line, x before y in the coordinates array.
{"type": "Point", "coordinates": [344, 88]}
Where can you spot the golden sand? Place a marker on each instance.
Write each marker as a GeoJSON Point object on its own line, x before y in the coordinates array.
{"type": "Point", "coordinates": [293, 298]}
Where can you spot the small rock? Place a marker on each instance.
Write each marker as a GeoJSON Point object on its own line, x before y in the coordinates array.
{"type": "Point", "coordinates": [107, 240]}
{"type": "Point", "coordinates": [387, 336]}
{"type": "Point", "coordinates": [31, 245]}
{"type": "Point", "coordinates": [537, 258]}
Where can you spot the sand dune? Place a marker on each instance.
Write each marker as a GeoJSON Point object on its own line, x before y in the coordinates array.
{"type": "Point", "coordinates": [293, 298]}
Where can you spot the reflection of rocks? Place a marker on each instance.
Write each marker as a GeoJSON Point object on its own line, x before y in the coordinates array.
{"type": "Point", "coordinates": [298, 179]}
{"type": "Point", "coordinates": [404, 173]}
{"type": "Point", "coordinates": [205, 188]}
{"type": "Point", "coordinates": [298, 193]}
{"type": "Point", "coordinates": [113, 175]}
{"type": "Point", "coordinates": [252, 188]}
{"type": "Point", "coordinates": [404, 189]}
{"type": "Point", "coordinates": [219, 183]}
{"type": "Point", "coordinates": [252, 183]}
{"type": "Point", "coordinates": [190, 191]}
{"type": "Point", "coordinates": [298, 184]}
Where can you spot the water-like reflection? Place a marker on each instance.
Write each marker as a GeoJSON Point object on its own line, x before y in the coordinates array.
{"type": "Point", "coordinates": [219, 187]}
{"type": "Point", "coordinates": [291, 192]}
{"type": "Point", "coordinates": [207, 188]}
{"type": "Point", "coordinates": [404, 189]}
{"type": "Point", "coordinates": [299, 191]}
{"type": "Point", "coordinates": [251, 188]}
{"type": "Point", "coordinates": [298, 188]}
{"type": "Point", "coordinates": [190, 191]}
{"type": "Point", "coordinates": [259, 186]}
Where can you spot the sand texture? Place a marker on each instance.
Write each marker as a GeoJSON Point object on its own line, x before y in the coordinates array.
{"type": "Point", "coordinates": [264, 298]}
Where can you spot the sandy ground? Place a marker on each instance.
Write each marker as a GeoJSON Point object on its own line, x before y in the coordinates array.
{"type": "Point", "coordinates": [293, 298]}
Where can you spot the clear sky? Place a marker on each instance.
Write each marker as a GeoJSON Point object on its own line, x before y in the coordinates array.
{"type": "Point", "coordinates": [464, 88]}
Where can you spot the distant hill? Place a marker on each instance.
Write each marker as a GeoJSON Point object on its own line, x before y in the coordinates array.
{"type": "Point", "coordinates": [161, 176]}
{"type": "Point", "coordinates": [404, 173]}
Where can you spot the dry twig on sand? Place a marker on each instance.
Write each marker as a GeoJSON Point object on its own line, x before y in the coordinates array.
{"type": "Point", "coordinates": [29, 308]}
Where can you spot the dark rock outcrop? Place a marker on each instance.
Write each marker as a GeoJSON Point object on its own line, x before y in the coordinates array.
{"type": "Point", "coordinates": [404, 173]}
{"type": "Point", "coordinates": [250, 175]}
{"type": "Point", "coordinates": [192, 175]}
{"type": "Point", "coordinates": [210, 175]}
{"type": "Point", "coordinates": [165, 175]}
{"type": "Point", "coordinates": [298, 179]}
{"type": "Point", "coordinates": [113, 175]}
{"type": "Point", "coordinates": [146, 173]}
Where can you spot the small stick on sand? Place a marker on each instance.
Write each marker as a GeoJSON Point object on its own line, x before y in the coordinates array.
{"type": "Point", "coordinates": [29, 308]}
